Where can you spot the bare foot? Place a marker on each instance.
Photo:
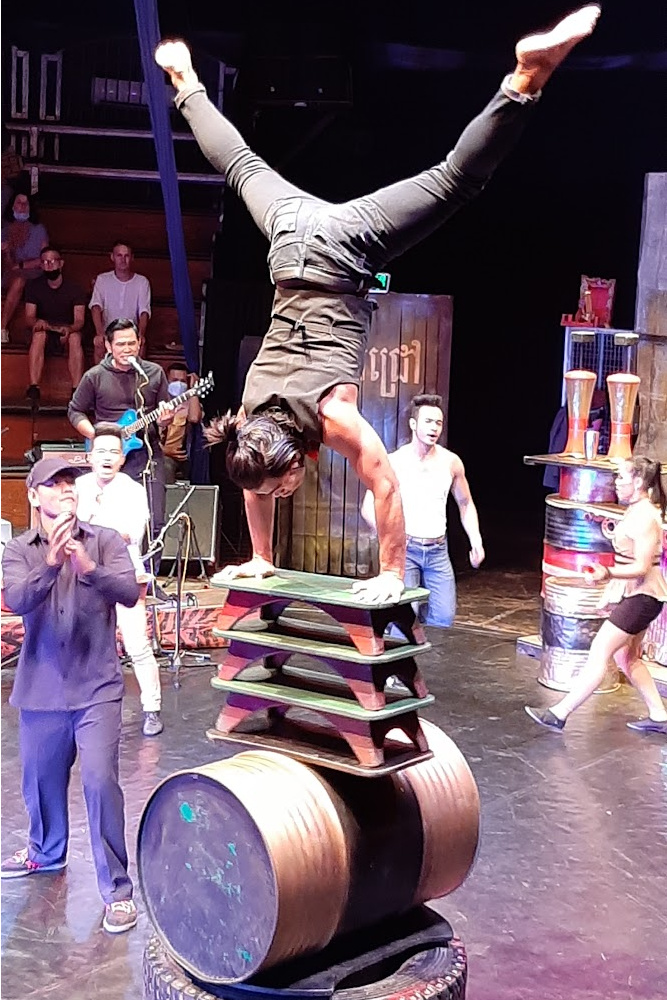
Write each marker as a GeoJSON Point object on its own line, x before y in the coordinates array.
{"type": "Point", "coordinates": [537, 56]}
{"type": "Point", "coordinates": [174, 58]}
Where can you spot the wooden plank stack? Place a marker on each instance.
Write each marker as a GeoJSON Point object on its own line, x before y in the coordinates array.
{"type": "Point", "coordinates": [340, 715]}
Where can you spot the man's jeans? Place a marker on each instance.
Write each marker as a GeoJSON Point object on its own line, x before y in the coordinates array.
{"type": "Point", "coordinates": [430, 566]}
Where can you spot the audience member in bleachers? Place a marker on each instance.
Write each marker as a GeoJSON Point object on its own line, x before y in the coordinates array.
{"type": "Point", "coordinates": [176, 437]}
{"type": "Point", "coordinates": [54, 307]}
{"type": "Point", "coordinates": [121, 292]}
{"type": "Point", "coordinates": [22, 239]}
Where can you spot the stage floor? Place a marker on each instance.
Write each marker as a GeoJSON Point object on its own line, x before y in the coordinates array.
{"type": "Point", "coordinates": [566, 900]}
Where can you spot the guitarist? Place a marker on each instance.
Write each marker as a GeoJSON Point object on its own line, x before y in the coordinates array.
{"type": "Point", "coordinates": [113, 386]}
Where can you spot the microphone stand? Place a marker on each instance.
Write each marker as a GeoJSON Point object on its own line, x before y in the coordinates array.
{"type": "Point", "coordinates": [176, 658]}
{"type": "Point", "coordinates": [149, 480]}
{"type": "Point", "coordinates": [179, 659]}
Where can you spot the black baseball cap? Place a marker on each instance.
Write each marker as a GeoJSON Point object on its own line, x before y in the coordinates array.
{"type": "Point", "coordinates": [48, 468]}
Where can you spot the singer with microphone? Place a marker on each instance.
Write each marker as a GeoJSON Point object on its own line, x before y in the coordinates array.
{"type": "Point", "coordinates": [120, 382]}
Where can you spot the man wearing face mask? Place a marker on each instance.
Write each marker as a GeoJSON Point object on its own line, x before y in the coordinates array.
{"type": "Point", "coordinates": [111, 499]}
{"type": "Point", "coordinates": [22, 239]}
{"type": "Point", "coordinates": [176, 437]}
{"type": "Point", "coordinates": [56, 307]}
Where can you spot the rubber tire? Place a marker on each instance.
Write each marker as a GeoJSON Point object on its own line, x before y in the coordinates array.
{"type": "Point", "coordinates": [442, 979]}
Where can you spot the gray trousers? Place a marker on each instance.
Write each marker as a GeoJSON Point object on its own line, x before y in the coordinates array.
{"type": "Point", "coordinates": [340, 247]}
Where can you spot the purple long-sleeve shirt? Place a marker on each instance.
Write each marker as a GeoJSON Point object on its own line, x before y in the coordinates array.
{"type": "Point", "coordinates": [68, 658]}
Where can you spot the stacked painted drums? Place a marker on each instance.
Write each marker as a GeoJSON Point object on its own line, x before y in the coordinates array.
{"type": "Point", "coordinates": [578, 532]}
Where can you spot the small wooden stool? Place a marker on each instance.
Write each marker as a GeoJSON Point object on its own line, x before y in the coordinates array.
{"type": "Point", "coordinates": [363, 730]}
{"type": "Point", "coordinates": [366, 677]}
{"type": "Point", "coordinates": [364, 623]}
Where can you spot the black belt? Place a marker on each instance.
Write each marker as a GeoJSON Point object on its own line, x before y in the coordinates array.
{"type": "Point", "coordinates": [427, 541]}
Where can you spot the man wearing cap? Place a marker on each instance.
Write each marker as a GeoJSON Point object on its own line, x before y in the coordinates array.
{"type": "Point", "coordinates": [65, 577]}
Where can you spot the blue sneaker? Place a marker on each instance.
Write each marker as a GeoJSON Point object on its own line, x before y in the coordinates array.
{"type": "Point", "coordinates": [648, 726]}
{"type": "Point", "coordinates": [546, 719]}
{"type": "Point", "coordinates": [20, 864]}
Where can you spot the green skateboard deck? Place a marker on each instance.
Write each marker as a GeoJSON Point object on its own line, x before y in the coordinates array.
{"type": "Point", "coordinates": [365, 624]}
{"type": "Point", "coordinates": [365, 731]}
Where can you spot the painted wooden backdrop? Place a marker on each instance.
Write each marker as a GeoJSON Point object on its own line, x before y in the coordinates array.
{"type": "Point", "coordinates": [320, 529]}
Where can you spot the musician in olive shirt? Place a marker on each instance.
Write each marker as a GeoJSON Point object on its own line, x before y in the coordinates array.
{"type": "Point", "coordinates": [107, 390]}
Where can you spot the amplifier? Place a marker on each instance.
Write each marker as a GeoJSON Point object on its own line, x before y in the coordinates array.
{"type": "Point", "coordinates": [73, 452]}
{"type": "Point", "coordinates": [202, 508]}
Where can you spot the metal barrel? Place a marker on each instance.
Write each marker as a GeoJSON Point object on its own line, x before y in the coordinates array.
{"type": "Point", "coordinates": [559, 667]}
{"type": "Point", "coordinates": [571, 528]}
{"type": "Point", "coordinates": [572, 597]}
{"type": "Point", "coordinates": [567, 562]}
{"type": "Point", "coordinates": [573, 539]}
{"type": "Point", "coordinates": [571, 617]}
{"type": "Point", "coordinates": [257, 859]}
{"type": "Point", "coordinates": [586, 485]}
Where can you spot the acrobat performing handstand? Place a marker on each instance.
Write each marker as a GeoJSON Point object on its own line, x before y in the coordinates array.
{"type": "Point", "coordinates": [302, 389]}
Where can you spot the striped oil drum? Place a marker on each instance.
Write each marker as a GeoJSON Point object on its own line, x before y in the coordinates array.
{"type": "Point", "coordinates": [570, 528]}
{"type": "Point", "coordinates": [257, 859]}
{"type": "Point", "coordinates": [573, 539]}
{"type": "Point", "coordinates": [586, 485]}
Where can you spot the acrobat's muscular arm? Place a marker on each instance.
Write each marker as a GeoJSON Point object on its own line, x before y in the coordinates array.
{"type": "Point", "coordinates": [346, 431]}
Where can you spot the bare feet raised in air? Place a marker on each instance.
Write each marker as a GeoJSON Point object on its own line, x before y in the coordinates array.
{"type": "Point", "coordinates": [538, 55]}
{"type": "Point", "coordinates": [174, 58]}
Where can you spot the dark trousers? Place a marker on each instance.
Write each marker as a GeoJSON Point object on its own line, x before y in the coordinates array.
{"type": "Point", "coordinates": [49, 744]}
{"type": "Point", "coordinates": [340, 247]}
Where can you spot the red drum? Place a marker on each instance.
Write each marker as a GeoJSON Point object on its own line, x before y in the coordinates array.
{"type": "Point", "coordinates": [573, 539]}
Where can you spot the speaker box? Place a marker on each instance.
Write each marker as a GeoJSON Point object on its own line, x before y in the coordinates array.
{"type": "Point", "coordinates": [202, 509]}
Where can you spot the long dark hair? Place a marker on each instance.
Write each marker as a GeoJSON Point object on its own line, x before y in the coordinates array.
{"type": "Point", "coordinates": [264, 446]}
{"type": "Point", "coordinates": [649, 473]}
{"type": "Point", "coordinates": [8, 214]}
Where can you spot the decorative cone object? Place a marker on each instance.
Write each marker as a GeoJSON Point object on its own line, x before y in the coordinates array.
{"type": "Point", "coordinates": [579, 388]}
{"type": "Point", "coordinates": [623, 389]}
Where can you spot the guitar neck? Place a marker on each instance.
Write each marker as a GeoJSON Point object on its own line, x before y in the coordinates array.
{"type": "Point", "coordinates": [149, 418]}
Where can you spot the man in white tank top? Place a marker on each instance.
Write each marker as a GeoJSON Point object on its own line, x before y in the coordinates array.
{"type": "Point", "coordinates": [111, 499]}
{"type": "Point", "coordinates": [426, 474]}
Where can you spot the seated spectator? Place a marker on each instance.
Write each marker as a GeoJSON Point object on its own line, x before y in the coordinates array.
{"type": "Point", "coordinates": [23, 237]}
{"type": "Point", "coordinates": [120, 292]}
{"type": "Point", "coordinates": [56, 307]}
{"type": "Point", "coordinates": [176, 436]}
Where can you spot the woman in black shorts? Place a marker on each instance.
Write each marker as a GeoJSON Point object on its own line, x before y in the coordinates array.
{"type": "Point", "coordinates": [636, 591]}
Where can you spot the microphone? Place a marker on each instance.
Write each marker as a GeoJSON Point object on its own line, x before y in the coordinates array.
{"type": "Point", "coordinates": [132, 361]}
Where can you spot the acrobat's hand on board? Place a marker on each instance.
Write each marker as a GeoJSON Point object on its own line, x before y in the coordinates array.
{"type": "Point", "coordinates": [255, 567]}
{"type": "Point", "coordinates": [383, 589]}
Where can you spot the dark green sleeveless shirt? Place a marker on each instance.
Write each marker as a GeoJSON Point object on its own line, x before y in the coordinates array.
{"type": "Point", "coordinates": [316, 341]}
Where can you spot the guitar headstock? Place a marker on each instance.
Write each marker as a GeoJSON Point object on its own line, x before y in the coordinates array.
{"type": "Point", "coordinates": [205, 385]}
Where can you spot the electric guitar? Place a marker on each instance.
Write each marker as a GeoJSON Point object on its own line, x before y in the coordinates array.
{"type": "Point", "coordinates": [131, 422]}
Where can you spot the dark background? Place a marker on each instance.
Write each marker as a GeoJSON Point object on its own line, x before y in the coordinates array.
{"type": "Point", "coordinates": [569, 201]}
